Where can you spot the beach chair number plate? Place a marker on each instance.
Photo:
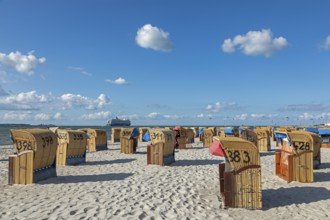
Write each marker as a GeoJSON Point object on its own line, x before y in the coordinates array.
{"type": "Point", "coordinates": [302, 146]}
{"type": "Point", "coordinates": [25, 145]}
{"type": "Point", "coordinates": [235, 156]}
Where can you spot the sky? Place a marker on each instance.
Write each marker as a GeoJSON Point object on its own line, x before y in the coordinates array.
{"type": "Point", "coordinates": [165, 62]}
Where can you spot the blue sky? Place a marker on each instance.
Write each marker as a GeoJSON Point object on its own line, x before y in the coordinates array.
{"type": "Point", "coordinates": [157, 62]}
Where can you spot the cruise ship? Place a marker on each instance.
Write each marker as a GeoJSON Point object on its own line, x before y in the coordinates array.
{"type": "Point", "coordinates": [119, 122]}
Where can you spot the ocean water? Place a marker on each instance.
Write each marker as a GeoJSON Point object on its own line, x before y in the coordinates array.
{"type": "Point", "coordinates": [5, 138]}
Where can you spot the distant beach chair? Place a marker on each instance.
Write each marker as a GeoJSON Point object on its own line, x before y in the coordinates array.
{"type": "Point", "coordinates": [96, 139]}
{"type": "Point", "coordinates": [190, 137]}
{"type": "Point", "coordinates": [208, 137]}
{"type": "Point", "coordinates": [201, 133]}
{"type": "Point", "coordinates": [299, 155]}
{"type": "Point", "coordinates": [129, 140]}
{"type": "Point", "coordinates": [115, 135]}
{"type": "Point", "coordinates": [142, 132]}
{"type": "Point", "coordinates": [181, 137]}
{"type": "Point", "coordinates": [325, 136]}
{"type": "Point", "coordinates": [250, 135]}
{"type": "Point", "coordinates": [35, 157]}
{"type": "Point", "coordinates": [263, 137]}
{"type": "Point", "coordinates": [240, 174]}
{"type": "Point", "coordinates": [71, 148]}
{"type": "Point", "coordinates": [161, 150]}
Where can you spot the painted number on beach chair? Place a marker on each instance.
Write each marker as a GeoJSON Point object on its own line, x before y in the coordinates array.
{"type": "Point", "coordinates": [25, 145]}
{"type": "Point", "coordinates": [303, 146]}
{"type": "Point", "coordinates": [78, 137]}
{"type": "Point", "coordinates": [46, 141]}
{"type": "Point", "coordinates": [235, 156]}
{"type": "Point", "coordinates": [62, 135]}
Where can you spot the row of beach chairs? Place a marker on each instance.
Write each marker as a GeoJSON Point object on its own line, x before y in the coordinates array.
{"type": "Point", "coordinates": [40, 150]}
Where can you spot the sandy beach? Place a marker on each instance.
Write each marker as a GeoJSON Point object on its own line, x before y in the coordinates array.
{"type": "Point", "coordinates": [111, 185]}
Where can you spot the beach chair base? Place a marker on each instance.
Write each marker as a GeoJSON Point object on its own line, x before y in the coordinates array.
{"type": "Point", "coordinates": [241, 190]}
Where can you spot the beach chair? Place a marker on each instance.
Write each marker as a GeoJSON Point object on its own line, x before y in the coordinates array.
{"type": "Point", "coordinates": [115, 135]}
{"type": "Point", "coordinates": [181, 137]}
{"type": "Point", "coordinates": [250, 135]}
{"type": "Point", "coordinates": [161, 150]}
{"type": "Point", "coordinates": [190, 137]}
{"type": "Point", "coordinates": [35, 157]}
{"type": "Point", "coordinates": [71, 148]}
{"type": "Point", "coordinates": [325, 136]}
{"type": "Point", "coordinates": [96, 139]}
{"type": "Point", "coordinates": [208, 137]}
{"type": "Point", "coordinates": [299, 155]}
{"type": "Point", "coordinates": [263, 137]}
{"type": "Point", "coordinates": [240, 174]}
{"type": "Point", "coordinates": [201, 133]}
{"type": "Point", "coordinates": [129, 140]}
{"type": "Point", "coordinates": [142, 132]}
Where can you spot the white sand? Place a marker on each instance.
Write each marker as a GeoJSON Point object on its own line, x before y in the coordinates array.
{"type": "Point", "coordinates": [118, 186]}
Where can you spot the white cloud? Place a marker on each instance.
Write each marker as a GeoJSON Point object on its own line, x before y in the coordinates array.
{"type": "Point", "coordinates": [23, 101]}
{"type": "Point", "coordinates": [255, 43]}
{"type": "Point", "coordinates": [13, 116]}
{"type": "Point", "coordinates": [154, 115]}
{"type": "Point", "coordinates": [154, 38]}
{"type": "Point", "coordinates": [326, 44]}
{"type": "Point", "coordinates": [22, 63]}
{"type": "Point", "coordinates": [58, 116]}
{"type": "Point", "coordinates": [172, 116]}
{"type": "Point", "coordinates": [200, 115]}
{"type": "Point", "coordinates": [42, 117]}
{"type": "Point", "coordinates": [96, 116]}
{"type": "Point", "coordinates": [80, 70]}
{"type": "Point", "coordinates": [241, 117]}
{"type": "Point", "coordinates": [218, 106]}
{"type": "Point", "coordinates": [75, 101]}
{"type": "Point", "coordinates": [119, 81]}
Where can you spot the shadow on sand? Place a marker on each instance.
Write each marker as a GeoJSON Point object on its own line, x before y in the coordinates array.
{"type": "Point", "coordinates": [274, 198]}
{"type": "Point", "coordinates": [105, 162]}
{"type": "Point", "coordinates": [86, 178]}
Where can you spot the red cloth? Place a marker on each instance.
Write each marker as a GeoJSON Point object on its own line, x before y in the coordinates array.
{"type": "Point", "coordinates": [177, 128]}
{"type": "Point", "coordinates": [216, 149]}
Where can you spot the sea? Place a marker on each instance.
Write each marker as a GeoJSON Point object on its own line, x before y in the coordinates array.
{"type": "Point", "coordinates": [5, 137]}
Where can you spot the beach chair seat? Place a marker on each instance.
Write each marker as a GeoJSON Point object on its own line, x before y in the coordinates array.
{"type": "Point", "coordinates": [250, 135]}
{"type": "Point", "coordinates": [35, 157]}
{"type": "Point", "coordinates": [263, 136]}
{"type": "Point", "coordinates": [299, 155]}
{"type": "Point", "coordinates": [325, 136]}
{"type": "Point", "coordinates": [208, 137]}
{"type": "Point", "coordinates": [240, 174]}
{"type": "Point", "coordinates": [71, 148]}
{"type": "Point", "coordinates": [96, 139]}
{"type": "Point", "coordinates": [129, 140]}
{"type": "Point", "coordinates": [161, 150]}
{"type": "Point", "coordinates": [115, 135]}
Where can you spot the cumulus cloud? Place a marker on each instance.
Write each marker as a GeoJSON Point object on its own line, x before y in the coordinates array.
{"type": "Point", "coordinates": [14, 116]}
{"type": "Point", "coordinates": [154, 115]}
{"type": "Point", "coordinates": [22, 63]}
{"type": "Point", "coordinates": [42, 117]}
{"type": "Point", "coordinates": [255, 43]}
{"type": "Point", "coordinates": [241, 117]}
{"type": "Point", "coordinates": [119, 81]}
{"type": "Point", "coordinates": [23, 101]}
{"type": "Point", "coordinates": [152, 37]}
{"type": "Point", "coordinates": [218, 106]}
{"type": "Point", "coordinates": [326, 45]}
{"type": "Point", "coordinates": [96, 116]}
{"type": "Point", "coordinates": [70, 101]}
{"type": "Point", "coordinates": [58, 116]}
